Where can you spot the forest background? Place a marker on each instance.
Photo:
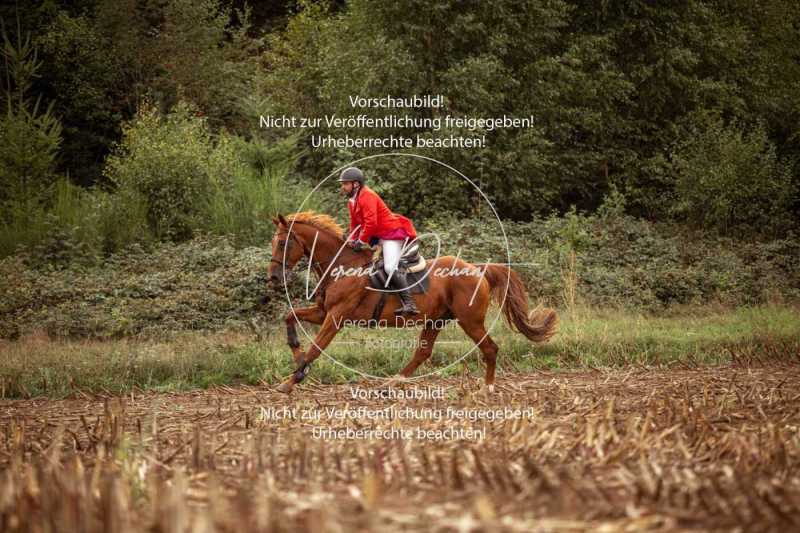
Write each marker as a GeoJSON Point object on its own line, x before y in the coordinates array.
{"type": "Point", "coordinates": [137, 188]}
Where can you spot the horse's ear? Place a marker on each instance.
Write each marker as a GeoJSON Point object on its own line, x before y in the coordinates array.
{"type": "Point", "coordinates": [276, 221]}
{"type": "Point", "coordinates": [283, 220]}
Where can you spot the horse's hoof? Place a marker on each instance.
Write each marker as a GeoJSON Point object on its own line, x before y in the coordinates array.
{"type": "Point", "coordinates": [284, 387]}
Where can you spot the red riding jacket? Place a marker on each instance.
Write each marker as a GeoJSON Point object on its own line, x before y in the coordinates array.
{"type": "Point", "coordinates": [375, 220]}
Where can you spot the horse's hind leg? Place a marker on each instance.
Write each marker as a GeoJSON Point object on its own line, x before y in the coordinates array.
{"type": "Point", "coordinates": [424, 350]}
{"type": "Point", "coordinates": [477, 332]}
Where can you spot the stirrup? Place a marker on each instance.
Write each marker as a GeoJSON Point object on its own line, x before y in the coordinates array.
{"type": "Point", "coordinates": [408, 308]}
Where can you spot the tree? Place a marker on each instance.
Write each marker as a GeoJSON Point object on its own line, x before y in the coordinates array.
{"type": "Point", "coordinates": [29, 136]}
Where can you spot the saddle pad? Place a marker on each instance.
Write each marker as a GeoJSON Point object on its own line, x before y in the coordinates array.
{"type": "Point", "coordinates": [411, 260]}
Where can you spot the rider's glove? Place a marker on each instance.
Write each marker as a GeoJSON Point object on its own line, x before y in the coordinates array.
{"type": "Point", "coordinates": [358, 245]}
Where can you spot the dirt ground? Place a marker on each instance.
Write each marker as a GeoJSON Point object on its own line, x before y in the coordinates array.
{"type": "Point", "coordinates": [622, 450]}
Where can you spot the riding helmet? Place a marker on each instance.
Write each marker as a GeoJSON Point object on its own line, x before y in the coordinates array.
{"type": "Point", "coordinates": [352, 174]}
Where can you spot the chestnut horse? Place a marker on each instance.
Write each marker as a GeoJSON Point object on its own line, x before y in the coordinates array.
{"type": "Point", "coordinates": [341, 299]}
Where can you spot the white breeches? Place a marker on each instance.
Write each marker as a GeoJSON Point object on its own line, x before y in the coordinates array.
{"type": "Point", "coordinates": [391, 250]}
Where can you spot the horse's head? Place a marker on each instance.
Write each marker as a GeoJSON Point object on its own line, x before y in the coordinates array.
{"type": "Point", "coordinates": [287, 249]}
{"type": "Point", "coordinates": [315, 235]}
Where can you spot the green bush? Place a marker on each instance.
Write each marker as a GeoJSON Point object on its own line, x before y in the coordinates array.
{"type": "Point", "coordinates": [204, 284]}
{"type": "Point", "coordinates": [732, 180]}
{"type": "Point", "coordinates": [171, 163]}
{"type": "Point", "coordinates": [188, 180]}
{"type": "Point", "coordinates": [172, 179]}
{"type": "Point", "coordinates": [208, 283]}
{"type": "Point", "coordinates": [69, 228]}
{"type": "Point", "coordinates": [621, 261]}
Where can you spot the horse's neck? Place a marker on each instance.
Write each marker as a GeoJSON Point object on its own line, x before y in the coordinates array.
{"type": "Point", "coordinates": [330, 253]}
{"type": "Point", "coordinates": [330, 249]}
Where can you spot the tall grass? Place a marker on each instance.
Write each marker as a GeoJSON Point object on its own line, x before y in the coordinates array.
{"type": "Point", "coordinates": [23, 225]}
{"type": "Point", "coordinates": [243, 205]}
{"type": "Point", "coordinates": [588, 338]}
{"type": "Point", "coordinates": [66, 210]}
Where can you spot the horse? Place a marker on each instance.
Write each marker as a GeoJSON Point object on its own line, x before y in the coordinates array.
{"type": "Point", "coordinates": [457, 290]}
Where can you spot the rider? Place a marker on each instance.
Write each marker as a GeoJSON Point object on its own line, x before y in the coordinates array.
{"type": "Point", "coordinates": [378, 225]}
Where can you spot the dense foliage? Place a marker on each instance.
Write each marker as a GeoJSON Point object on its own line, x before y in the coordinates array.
{"type": "Point", "coordinates": [616, 89]}
{"type": "Point", "coordinates": [126, 121]}
{"type": "Point", "coordinates": [209, 284]}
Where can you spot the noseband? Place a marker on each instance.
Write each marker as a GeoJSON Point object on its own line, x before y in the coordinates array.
{"type": "Point", "coordinates": [287, 243]}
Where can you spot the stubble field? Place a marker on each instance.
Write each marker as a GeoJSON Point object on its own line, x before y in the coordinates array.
{"type": "Point", "coordinates": [638, 448]}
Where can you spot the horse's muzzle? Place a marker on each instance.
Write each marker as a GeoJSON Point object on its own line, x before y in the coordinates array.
{"type": "Point", "coordinates": [276, 277]}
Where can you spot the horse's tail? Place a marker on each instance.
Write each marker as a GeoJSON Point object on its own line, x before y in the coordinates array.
{"type": "Point", "coordinates": [537, 325]}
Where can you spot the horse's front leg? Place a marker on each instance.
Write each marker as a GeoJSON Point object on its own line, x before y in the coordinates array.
{"type": "Point", "coordinates": [313, 314]}
{"type": "Point", "coordinates": [330, 327]}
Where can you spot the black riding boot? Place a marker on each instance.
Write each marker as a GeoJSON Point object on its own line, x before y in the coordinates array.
{"type": "Point", "coordinates": [400, 282]}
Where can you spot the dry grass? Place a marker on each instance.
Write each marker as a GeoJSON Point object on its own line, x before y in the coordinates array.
{"type": "Point", "coordinates": [614, 450]}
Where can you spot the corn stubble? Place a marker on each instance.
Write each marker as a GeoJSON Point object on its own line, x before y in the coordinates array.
{"type": "Point", "coordinates": [614, 450]}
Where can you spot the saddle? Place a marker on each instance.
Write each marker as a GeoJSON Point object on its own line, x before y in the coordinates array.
{"type": "Point", "coordinates": [411, 263]}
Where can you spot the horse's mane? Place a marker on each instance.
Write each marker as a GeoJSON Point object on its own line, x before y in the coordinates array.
{"type": "Point", "coordinates": [318, 220]}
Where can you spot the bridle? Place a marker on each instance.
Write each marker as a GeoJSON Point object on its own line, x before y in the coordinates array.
{"type": "Point", "coordinates": [287, 243]}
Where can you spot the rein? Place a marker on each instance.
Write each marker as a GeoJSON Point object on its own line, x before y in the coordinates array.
{"type": "Point", "coordinates": [315, 264]}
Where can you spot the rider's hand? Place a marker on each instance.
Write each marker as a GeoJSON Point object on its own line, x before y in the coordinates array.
{"type": "Point", "coordinates": [357, 245]}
